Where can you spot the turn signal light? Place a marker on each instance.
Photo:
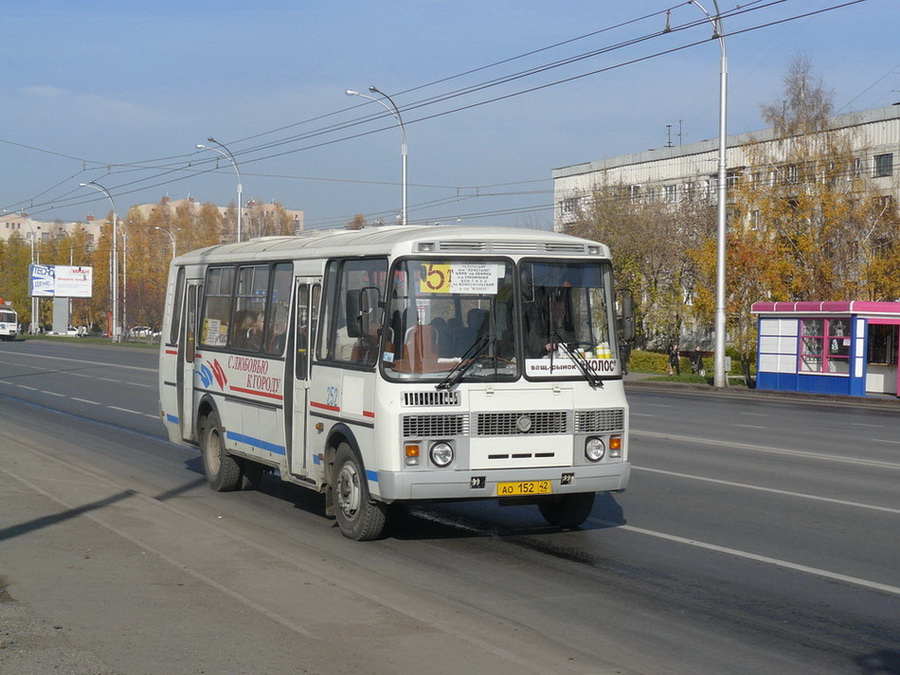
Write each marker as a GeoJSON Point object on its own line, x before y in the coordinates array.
{"type": "Point", "coordinates": [615, 446]}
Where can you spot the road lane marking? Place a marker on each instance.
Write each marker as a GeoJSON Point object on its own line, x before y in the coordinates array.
{"type": "Point", "coordinates": [127, 410]}
{"type": "Point", "coordinates": [885, 440]}
{"type": "Point", "coordinates": [25, 386]}
{"type": "Point", "coordinates": [871, 426]}
{"type": "Point", "coordinates": [114, 381]}
{"type": "Point", "coordinates": [759, 488]}
{"type": "Point", "coordinates": [84, 400]}
{"type": "Point", "coordinates": [834, 576]}
{"type": "Point", "coordinates": [696, 440]}
{"type": "Point", "coordinates": [53, 393]}
{"type": "Point", "coordinates": [92, 363]}
{"type": "Point", "coordinates": [751, 426]}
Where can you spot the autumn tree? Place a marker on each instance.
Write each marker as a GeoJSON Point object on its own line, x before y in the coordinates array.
{"type": "Point", "coordinates": [649, 241]}
{"type": "Point", "coordinates": [812, 195]}
{"type": "Point", "coordinates": [806, 222]}
{"type": "Point", "coordinates": [358, 222]}
{"type": "Point", "coordinates": [15, 257]}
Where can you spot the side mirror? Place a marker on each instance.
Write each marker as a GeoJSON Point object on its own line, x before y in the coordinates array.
{"type": "Point", "coordinates": [361, 305]}
{"type": "Point", "coordinates": [352, 306]}
{"type": "Point", "coordinates": [626, 315]}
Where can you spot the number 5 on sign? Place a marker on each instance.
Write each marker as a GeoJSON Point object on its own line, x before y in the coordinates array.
{"type": "Point", "coordinates": [435, 279]}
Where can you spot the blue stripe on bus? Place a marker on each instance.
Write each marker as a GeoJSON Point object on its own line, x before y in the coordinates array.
{"type": "Point", "coordinates": [172, 418]}
{"type": "Point", "coordinates": [255, 442]}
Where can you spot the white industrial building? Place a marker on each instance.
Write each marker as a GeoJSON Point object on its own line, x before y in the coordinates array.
{"type": "Point", "coordinates": [670, 173]}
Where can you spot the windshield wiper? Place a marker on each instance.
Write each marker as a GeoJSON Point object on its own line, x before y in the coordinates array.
{"type": "Point", "coordinates": [592, 378]}
{"type": "Point", "coordinates": [466, 362]}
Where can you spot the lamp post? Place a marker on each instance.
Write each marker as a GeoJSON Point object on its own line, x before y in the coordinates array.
{"type": "Point", "coordinates": [722, 231]}
{"type": "Point", "coordinates": [227, 155]}
{"type": "Point", "coordinates": [114, 256]}
{"type": "Point", "coordinates": [171, 236]}
{"type": "Point", "coordinates": [35, 301]}
{"type": "Point", "coordinates": [404, 150]}
{"type": "Point", "coordinates": [69, 321]}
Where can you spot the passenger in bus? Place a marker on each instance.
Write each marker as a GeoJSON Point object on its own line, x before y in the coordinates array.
{"type": "Point", "coordinates": [249, 335]}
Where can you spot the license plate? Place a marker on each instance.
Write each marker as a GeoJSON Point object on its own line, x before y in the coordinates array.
{"type": "Point", "coordinates": [525, 487]}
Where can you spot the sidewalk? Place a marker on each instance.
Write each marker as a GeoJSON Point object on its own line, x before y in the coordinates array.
{"type": "Point", "coordinates": [737, 388]}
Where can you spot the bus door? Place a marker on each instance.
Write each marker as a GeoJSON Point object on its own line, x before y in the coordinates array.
{"type": "Point", "coordinates": [305, 323]}
{"type": "Point", "coordinates": [186, 351]}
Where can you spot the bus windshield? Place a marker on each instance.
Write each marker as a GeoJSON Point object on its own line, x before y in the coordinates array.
{"type": "Point", "coordinates": [456, 319]}
{"type": "Point", "coordinates": [444, 312]}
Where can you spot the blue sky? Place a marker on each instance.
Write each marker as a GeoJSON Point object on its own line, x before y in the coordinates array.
{"type": "Point", "coordinates": [121, 92]}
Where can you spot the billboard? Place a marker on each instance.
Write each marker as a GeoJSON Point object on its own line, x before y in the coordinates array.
{"type": "Point", "coordinates": [61, 281]}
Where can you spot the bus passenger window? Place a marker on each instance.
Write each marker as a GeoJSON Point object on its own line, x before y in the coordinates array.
{"type": "Point", "coordinates": [279, 306]}
{"type": "Point", "coordinates": [216, 307]}
{"type": "Point", "coordinates": [248, 322]}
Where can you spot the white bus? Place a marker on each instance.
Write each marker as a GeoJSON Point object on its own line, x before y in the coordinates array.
{"type": "Point", "coordinates": [401, 364]}
{"type": "Point", "coordinates": [9, 322]}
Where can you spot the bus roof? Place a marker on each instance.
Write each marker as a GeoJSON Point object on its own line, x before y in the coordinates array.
{"type": "Point", "coordinates": [401, 240]}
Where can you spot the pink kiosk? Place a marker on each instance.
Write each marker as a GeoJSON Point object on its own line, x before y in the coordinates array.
{"type": "Point", "coordinates": [846, 348]}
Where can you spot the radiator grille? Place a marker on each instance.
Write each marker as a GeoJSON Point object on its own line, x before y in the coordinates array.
{"type": "Point", "coordinates": [590, 421]}
{"type": "Point", "coordinates": [516, 423]}
{"type": "Point", "coordinates": [430, 398]}
{"type": "Point", "coordinates": [431, 426]}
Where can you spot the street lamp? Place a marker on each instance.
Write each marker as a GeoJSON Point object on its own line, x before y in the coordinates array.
{"type": "Point", "coordinates": [404, 151]}
{"type": "Point", "coordinates": [114, 254]}
{"type": "Point", "coordinates": [240, 190]}
{"type": "Point", "coordinates": [171, 236]}
{"type": "Point", "coordinates": [719, 33]}
{"type": "Point", "coordinates": [69, 321]}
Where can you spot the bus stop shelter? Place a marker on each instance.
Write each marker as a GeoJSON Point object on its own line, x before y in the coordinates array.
{"type": "Point", "coordinates": [846, 348]}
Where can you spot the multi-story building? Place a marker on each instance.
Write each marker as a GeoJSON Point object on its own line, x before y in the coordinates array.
{"type": "Point", "coordinates": [43, 231]}
{"type": "Point", "coordinates": [670, 174]}
{"type": "Point", "coordinates": [251, 209]}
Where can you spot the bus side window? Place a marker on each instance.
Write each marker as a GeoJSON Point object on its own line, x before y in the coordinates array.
{"type": "Point", "coordinates": [216, 306]}
{"type": "Point", "coordinates": [279, 308]}
{"type": "Point", "coordinates": [303, 332]}
{"type": "Point", "coordinates": [345, 281]}
{"type": "Point", "coordinates": [248, 321]}
{"type": "Point", "coordinates": [176, 308]}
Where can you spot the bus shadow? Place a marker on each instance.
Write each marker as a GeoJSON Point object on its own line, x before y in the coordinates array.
{"type": "Point", "coordinates": [487, 518]}
{"type": "Point", "coordinates": [443, 520]}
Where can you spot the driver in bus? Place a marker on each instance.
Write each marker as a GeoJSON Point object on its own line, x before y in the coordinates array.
{"type": "Point", "coordinates": [551, 326]}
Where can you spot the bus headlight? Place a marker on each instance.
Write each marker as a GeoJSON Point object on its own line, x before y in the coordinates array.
{"type": "Point", "coordinates": [594, 449]}
{"type": "Point", "coordinates": [441, 454]}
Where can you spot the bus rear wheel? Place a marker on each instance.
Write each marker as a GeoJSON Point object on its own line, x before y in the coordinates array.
{"type": "Point", "coordinates": [223, 473]}
{"type": "Point", "coordinates": [567, 511]}
{"type": "Point", "coordinates": [358, 516]}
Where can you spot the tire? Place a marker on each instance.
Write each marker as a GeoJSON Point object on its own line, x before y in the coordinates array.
{"type": "Point", "coordinates": [567, 511]}
{"type": "Point", "coordinates": [223, 473]}
{"type": "Point", "coordinates": [358, 516]}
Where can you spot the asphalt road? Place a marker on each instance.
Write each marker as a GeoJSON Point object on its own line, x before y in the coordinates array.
{"type": "Point", "coordinates": [759, 534]}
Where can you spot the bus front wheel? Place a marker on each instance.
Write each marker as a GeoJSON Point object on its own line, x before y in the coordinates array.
{"type": "Point", "coordinates": [223, 473]}
{"type": "Point", "coordinates": [358, 516]}
{"type": "Point", "coordinates": [567, 511]}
